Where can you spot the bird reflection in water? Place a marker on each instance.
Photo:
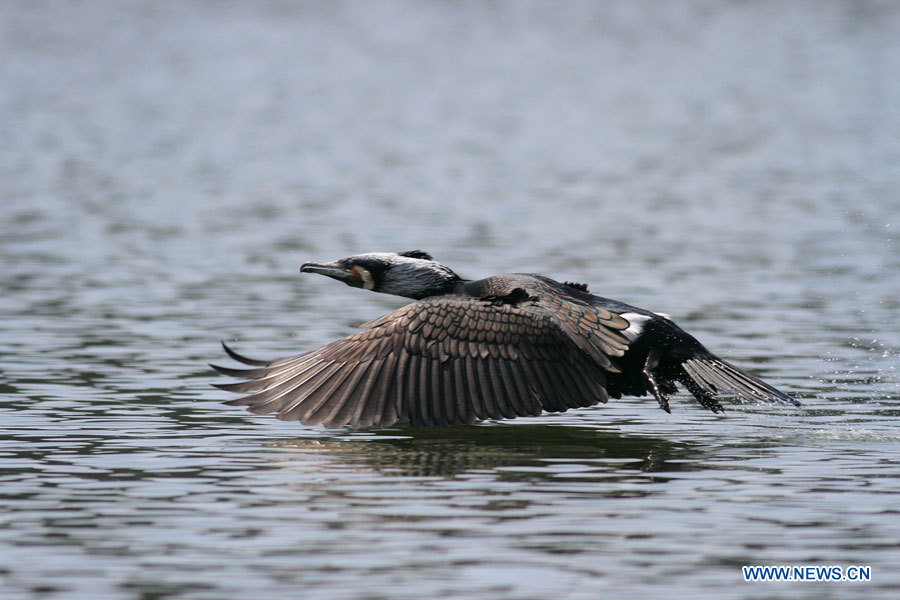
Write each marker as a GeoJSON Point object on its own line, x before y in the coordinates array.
{"type": "Point", "coordinates": [515, 451]}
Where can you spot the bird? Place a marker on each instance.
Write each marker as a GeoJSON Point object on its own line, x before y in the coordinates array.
{"type": "Point", "coordinates": [464, 351]}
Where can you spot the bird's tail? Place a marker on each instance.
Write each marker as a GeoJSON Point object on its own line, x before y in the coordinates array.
{"type": "Point", "coordinates": [710, 376]}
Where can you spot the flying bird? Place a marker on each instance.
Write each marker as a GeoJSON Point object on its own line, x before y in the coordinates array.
{"type": "Point", "coordinates": [496, 348]}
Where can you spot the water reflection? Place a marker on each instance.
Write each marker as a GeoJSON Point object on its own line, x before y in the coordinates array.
{"type": "Point", "coordinates": [517, 451]}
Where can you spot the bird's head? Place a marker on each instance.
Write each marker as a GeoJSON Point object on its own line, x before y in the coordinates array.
{"type": "Point", "coordinates": [412, 274]}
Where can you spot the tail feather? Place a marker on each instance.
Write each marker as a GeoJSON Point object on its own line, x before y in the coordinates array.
{"type": "Point", "coordinates": [713, 376]}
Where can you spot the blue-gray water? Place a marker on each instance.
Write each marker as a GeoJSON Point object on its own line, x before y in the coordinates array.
{"type": "Point", "coordinates": [166, 167]}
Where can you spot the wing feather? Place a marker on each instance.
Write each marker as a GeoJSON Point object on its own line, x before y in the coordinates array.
{"type": "Point", "coordinates": [530, 403]}
{"type": "Point", "coordinates": [423, 400]}
{"type": "Point", "coordinates": [279, 389]}
{"type": "Point", "coordinates": [413, 405]}
{"type": "Point", "coordinates": [243, 359]}
{"type": "Point", "coordinates": [308, 407]}
{"type": "Point", "coordinates": [473, 386]}
{"type": "Point", "coordinates": [456, 383]}
{"type": "Point", "coordinates": [489, 400]}
{"type": "Point", "coordinates": [381, 395]}
{"type": "Point", "coordinates": [444, 360]}
{"type": "Point", "coordinates": [365, 393]}
{"type": "Point", "coordinates": [343, 405]}
{"type": "Point", "coordinates": [399, 404]}
{"type": "Point", "coordinates": [500, 392]}
{"type": "Point", "coordinates": [451, 415]}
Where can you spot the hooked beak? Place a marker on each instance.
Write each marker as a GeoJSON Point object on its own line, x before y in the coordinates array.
{"type": "Point", "coordinates": [335, 270]}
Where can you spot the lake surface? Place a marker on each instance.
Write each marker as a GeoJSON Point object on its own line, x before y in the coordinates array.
{"type": "Point", "coordinates": [166, 167]}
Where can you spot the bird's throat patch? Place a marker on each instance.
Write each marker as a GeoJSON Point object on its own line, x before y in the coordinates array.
{"type": "Point", "coordinates": [363, 273]}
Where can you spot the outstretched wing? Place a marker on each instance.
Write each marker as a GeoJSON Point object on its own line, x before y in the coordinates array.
{"type": "Point", "coordinates": [443, 361]}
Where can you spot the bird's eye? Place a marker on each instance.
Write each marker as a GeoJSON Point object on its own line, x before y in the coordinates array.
{"type": "Point", "coordinates": [348, 265]}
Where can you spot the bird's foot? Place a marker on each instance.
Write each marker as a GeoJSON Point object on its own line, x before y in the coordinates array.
{"type": "Point", "coordinates": [660, 396]}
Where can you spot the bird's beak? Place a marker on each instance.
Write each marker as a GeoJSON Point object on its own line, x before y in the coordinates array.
{"type": "Point", "coordinates": [335, 270]}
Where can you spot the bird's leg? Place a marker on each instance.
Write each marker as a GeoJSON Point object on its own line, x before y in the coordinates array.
{"type": "Point", "coordinates": [650, 364]}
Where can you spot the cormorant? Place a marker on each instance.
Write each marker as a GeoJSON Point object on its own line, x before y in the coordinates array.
{"type": "Point", "coordinates": [495, 348]}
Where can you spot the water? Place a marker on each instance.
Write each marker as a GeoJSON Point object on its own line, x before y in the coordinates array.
{"type": "Point", "coordinates": [166, 167]}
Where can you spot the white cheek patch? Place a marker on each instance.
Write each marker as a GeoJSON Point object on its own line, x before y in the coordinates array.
{"type": "Point", "coordinates": [368, 282]}
{"type": "Point", "coordinates": [635, 324]}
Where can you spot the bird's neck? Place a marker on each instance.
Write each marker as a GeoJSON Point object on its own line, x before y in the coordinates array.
{"type": "Point", "coordinates": [451, 285]}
